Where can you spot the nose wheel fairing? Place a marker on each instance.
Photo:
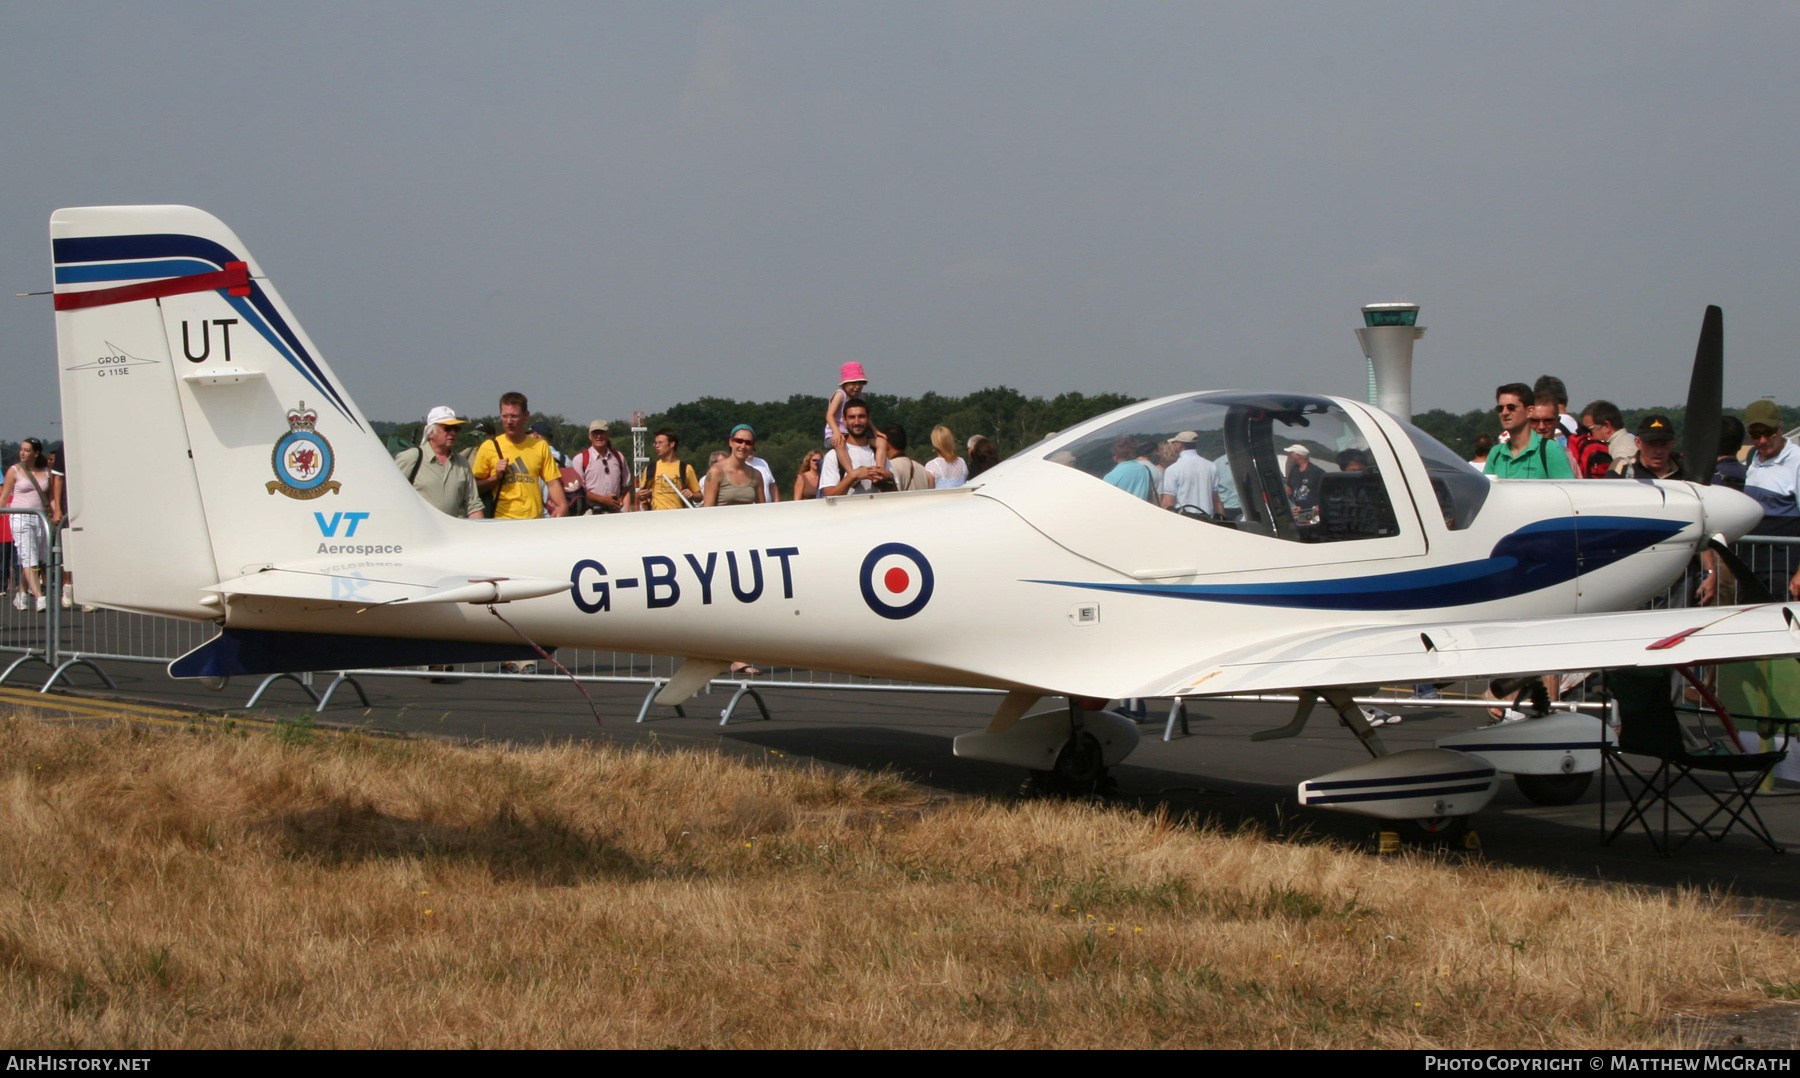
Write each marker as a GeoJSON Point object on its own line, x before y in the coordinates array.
{"type": "Point", "coordinates": [1417, 784]}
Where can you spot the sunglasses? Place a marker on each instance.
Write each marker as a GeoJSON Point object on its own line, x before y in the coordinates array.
{"type": "Point", "coordinates": [1507, 407]}
{"type": "Point", "coordinates": [744, 441]}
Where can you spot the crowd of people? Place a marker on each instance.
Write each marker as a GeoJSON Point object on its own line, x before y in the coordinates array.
{"type": "Point", "coordinates": [1174, 474]}
{"type": "Point", "coordinates": [515, 473]}
{"type": "Point", "coordinates": [1541, 439]}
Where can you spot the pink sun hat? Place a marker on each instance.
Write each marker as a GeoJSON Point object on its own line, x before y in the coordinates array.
{"type": "Point", "coordinates": [851, 372]}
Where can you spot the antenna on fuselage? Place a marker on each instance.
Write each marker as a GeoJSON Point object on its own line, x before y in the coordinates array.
{"type": "Point", "coordinates": [1387, 335]}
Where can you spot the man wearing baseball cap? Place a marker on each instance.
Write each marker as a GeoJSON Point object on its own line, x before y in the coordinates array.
{"type": "Point", "coordinates": [1187, 484]}
{"type": "Point", "coordinates": [441, 478]}
{"type": "Point", "coordinates": [606, 485]}
{"type": "Point", "coordinates": [1655, 457]}
{"type": "Point", "coordinates": [1772, 477]}
{"type": "Point", "coordinates": [1303, 480]}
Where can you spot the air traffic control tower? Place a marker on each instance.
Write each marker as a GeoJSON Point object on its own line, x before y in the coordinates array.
{"type": "Point", "coordinates": [1387, 335]}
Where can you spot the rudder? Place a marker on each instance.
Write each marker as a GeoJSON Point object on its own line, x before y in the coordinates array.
{"type": "Point", "coordinates": [206, 438]}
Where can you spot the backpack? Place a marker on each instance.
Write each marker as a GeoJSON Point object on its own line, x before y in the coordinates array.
{"type": "Point", "coordinates": [908, 477]}
{"type": "Point", "coordinates": [578, 502]}
{"type": "Point", "coordinates": [489, 498]}
{"type": "Point", "coordinates": [418, 452]}
{"type": "Point", "coordinates": [1592, 458]}
{"type": "Point", "coordinates": [684, 474]}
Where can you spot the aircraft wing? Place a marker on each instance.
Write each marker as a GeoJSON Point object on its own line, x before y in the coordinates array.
{"type": "Point", "coordinates": [383, 583]}
{"type": "Point", "coordinates": [1449, 651]}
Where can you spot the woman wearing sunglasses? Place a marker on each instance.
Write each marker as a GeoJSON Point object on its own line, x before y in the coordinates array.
{"type": "Point", "coordinates": [732, 481]}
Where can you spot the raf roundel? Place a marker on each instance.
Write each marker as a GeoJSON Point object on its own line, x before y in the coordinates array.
{"type": "Point", "coordinates": [896, 580]}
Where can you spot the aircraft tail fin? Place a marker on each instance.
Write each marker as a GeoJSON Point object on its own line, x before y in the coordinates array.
{"type": "Point", "coordinates": [204, 435]}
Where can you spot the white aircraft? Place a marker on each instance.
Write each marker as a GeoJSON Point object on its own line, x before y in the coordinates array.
{"type": "Point", "coordinates": [222, 472]}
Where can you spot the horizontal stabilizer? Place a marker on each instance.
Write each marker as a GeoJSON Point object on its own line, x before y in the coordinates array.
{"type": "Point", "coordinates": [377, 583]}
{"type": "Point", "coordinates": [260, 651]}
{"type": "Point", "coordinates": [1388, 654]}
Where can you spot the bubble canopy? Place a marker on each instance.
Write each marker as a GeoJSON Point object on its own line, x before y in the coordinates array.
{"type": "Point", "coordinates": [1290, 466]}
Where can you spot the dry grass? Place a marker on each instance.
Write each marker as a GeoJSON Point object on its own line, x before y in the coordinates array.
{"type": "Point", "coordinates": [212, 889]}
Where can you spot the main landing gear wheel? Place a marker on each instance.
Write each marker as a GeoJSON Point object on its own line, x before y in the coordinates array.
{"type": "Point", "coordinates": [1079, 771]}
{"type": "Point", "coordinates": [1554, 789]}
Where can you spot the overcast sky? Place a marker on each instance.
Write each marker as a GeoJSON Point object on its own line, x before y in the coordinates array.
{"type": "Point", "coordinates": [618, 206]}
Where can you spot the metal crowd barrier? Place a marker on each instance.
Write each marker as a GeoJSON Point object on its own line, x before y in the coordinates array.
{"type": "Point", "coordinates": [65, 639]}
{"type": "Point", "coordinates": [38, 636]}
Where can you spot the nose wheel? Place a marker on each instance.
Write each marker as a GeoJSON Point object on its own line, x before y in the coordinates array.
{"type": "Point", "coordinates": [1429, 832]}
{"type": "Point", "coordinates": [1442, 828]}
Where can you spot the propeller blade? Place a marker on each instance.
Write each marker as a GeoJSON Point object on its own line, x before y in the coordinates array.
{"type": "Point", "coordinates": [1750, 586]}
{"type": "Point", "coordinates": [1706, 392]}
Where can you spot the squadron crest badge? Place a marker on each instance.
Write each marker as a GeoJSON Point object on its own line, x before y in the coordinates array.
{"type": "Point", "coordinates": [302, 459]}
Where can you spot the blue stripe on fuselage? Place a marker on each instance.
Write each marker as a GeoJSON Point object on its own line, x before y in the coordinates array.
{"type": "Point", "coordinates": [1537, 556]}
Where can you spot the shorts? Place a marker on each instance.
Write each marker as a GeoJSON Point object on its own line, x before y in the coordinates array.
{"type": "Point", "coordinates": [30, 541]}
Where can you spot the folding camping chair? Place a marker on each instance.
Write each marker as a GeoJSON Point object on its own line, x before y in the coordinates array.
{"type": "Point", "coordinates": [1650, 727]}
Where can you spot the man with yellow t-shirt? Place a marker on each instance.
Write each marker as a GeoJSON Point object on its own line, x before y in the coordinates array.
{"type": "Point", "coordinates": [517, 495]}
{"type": "Point", "coordinates": [668, 483]}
